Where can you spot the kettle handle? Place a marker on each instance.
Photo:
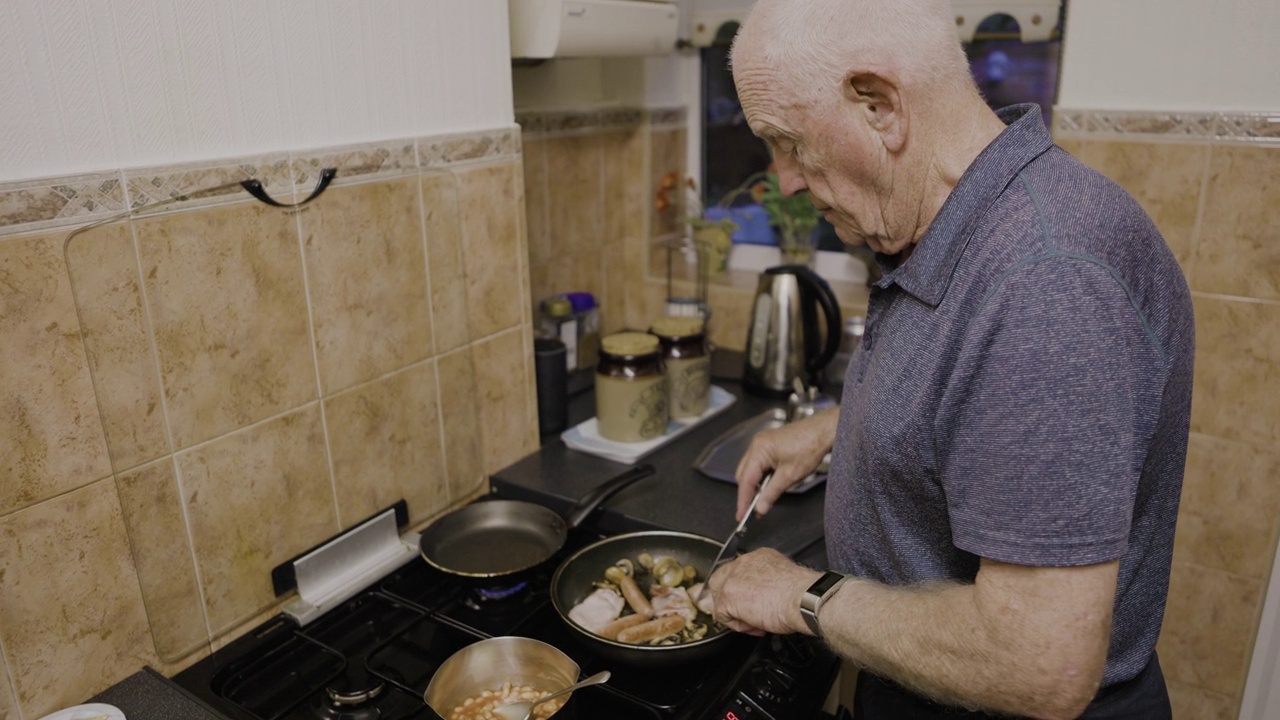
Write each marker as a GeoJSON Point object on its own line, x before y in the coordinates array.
{"type": "Point", "coordinates": [830, 308]}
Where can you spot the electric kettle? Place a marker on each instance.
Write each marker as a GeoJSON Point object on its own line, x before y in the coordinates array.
{"type": "Point", "coordinates": [785, 340]}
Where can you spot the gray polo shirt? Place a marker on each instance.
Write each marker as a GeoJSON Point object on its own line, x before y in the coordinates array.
{"type": "Point", "coordinates": [1022, 391]}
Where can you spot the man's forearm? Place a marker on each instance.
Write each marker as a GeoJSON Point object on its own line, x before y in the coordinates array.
{"type": "Point", "coordinates": [957, 645]}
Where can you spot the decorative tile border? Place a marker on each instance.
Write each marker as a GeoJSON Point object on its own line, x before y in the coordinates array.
{"type": "Point", "coordinates": [1169, 127]}
{"type": "Point", "coordinates": [33, 205]}
{"type": "Point", "coordinates": [570, 122]}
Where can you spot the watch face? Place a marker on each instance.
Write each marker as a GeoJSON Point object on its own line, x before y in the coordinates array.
{"type": "Point", "coordinates": [825, 583]}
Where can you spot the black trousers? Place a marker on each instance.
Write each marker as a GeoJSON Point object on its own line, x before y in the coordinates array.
{"type": "Point", "coordinates": [1142, 698]}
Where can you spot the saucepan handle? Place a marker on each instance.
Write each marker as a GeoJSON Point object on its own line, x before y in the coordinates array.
{"type": "Point", "coordinates": [604, 491]}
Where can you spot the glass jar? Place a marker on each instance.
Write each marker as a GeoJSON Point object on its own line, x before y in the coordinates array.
{"type": "Point", "coordinates": [631, 388]}
{"type": "Point", "coordinates": [688, 362]}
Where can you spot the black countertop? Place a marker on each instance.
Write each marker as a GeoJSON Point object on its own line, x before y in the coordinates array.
{"type": "Point", "coordinates": [677, 497]}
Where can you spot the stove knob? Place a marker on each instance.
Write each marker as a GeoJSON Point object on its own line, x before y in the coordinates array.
{"type": "Point", "coordinates": [793, 651]}
{"type": "Point", "coordinates": [773, 684]}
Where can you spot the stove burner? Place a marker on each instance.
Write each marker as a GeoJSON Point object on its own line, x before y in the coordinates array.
{"type": "Point", "coordinates": [355, 686]}
{"type": "Point", "coordinates": [483, 595]}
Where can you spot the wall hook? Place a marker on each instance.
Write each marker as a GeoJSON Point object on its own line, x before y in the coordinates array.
{"type": "Point", "coordinates": [254, 187]}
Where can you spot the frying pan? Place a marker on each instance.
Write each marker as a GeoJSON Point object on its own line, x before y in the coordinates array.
{"type": "Point", "coordinates": [500, 540]}
{"type": "Point", "coordinates": [573, 581]}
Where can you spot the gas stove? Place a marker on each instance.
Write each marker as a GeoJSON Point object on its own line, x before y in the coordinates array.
{"type": "Point", "coordinates": [372, 655]}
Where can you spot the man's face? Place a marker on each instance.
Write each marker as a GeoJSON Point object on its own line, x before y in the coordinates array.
{"type": "Point", "coordinates": [827, 149]}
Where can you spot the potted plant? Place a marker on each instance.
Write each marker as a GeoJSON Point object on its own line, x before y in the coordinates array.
{"type": "Point", "coordinates": [711, 237]}
{"type": "Point", "coordinates": [795, 217]}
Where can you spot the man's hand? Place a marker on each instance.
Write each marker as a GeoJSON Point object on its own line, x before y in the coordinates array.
{"type": "Point", "coordinates": [760, 593]}
{"type": "Point", "coordinates": [792, 452]}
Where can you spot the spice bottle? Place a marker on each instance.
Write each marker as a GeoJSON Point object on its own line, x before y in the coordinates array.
{"type": "Point", "coordinates": [688, 363]}
{"type": "Point", "coordinates": [631, 388]}
{"type": "Point", "coordinates": [558, 321]}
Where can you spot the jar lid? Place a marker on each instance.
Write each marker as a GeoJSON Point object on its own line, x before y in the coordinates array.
{"type": "Point", "coordinates": [677, 327]}
{"type": "Point", "coordinates": [629, 343]}
{"type": "Point", "coordinates": [558, 307]}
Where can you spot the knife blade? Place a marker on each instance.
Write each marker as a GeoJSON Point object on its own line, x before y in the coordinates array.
{"type": "Point", "coordinates": [735, 538]}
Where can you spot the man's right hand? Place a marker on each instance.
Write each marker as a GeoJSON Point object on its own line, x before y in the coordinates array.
{"type": "Point", "coordinates": [792, 452]}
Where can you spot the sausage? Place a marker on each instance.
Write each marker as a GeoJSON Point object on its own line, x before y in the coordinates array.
{"type": "Point", "coordinates": [611, 630]}
{"type": "Point", "coordinates": [652, 630]}
{"type": "Point", "coordinates": [635, 598]}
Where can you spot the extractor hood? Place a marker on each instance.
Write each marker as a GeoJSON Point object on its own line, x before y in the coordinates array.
{"type": "Point", "coordinates": [592, 28]}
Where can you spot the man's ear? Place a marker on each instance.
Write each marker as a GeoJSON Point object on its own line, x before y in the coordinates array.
{"type": "Point", "coordinates": [877, 98]}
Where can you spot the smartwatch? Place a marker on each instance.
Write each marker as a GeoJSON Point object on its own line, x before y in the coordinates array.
{"type": "Point", "coordinates": [817, 594]}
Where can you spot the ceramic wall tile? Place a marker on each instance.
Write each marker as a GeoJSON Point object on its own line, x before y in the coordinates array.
{"type": "Point", "coordinates": [1237, 373]}
{"type": "Point", "coordinates": [72, 621]}
{"type": "Point", "coordinates": [535, 201]}
{"type": "Point", "coordinates": [1239, 248]}
{"type": "Point", "coordinates": [487, 204]}
{"type": "Point", "coordinates": [384, 438]}
{"type": "Point", "coordinates": [505, 398]}
{"type": "Point", "coordinates": [8, 706]}
{"type": "Point", "coordinates": [574, 200]}
{"type": "Point", "coordinates": [1230, 506]}
{"type": "Point", "coordinates": [34, 205]}
{"type": "Point", "coordinates": [1209, 624]}
{"type": "Point", "coordinates": [152, 505]}
{"type": "Point", "coordinates": [367, 279]}
{"type": "Point", "coordinates": [463, 444]}
{"type": "Point", "coordinates": [254, 499]}
{"type": "Point", "coordinates": [1192, 703]}
{"type": "Point", "coordinates": [626, 205]}
{"type": "Point", "coordinates": [103, 266]}
{"type": "Point", "coordinates": [1164, 178]}
{"type": "Point", "coordinates": [51, 439]}
{"type": "Point", "coordinates": [227, 304]}
{"type": "Point", "coordinates": [203, 184]}
{"type": "Point", "coordinates": [444, 259]}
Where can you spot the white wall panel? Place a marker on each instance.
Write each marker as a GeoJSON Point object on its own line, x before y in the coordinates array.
{"type": "Point", "coordinates": [91, 85]}
{"type": "Point", "coordinates": [1172, 55]}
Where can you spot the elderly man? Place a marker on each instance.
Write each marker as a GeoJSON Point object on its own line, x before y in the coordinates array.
{"type": "Point", "coordinates": [1008, 454]}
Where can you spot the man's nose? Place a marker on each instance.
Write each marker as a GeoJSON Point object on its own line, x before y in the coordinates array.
{"type": "Point", "coordinates": [790, 179]}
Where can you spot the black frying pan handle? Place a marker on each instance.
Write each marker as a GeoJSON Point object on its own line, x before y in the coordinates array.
{"type": "Point", "coordinates": [606, 490]}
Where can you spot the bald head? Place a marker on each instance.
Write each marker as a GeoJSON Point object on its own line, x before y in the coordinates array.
{"type": "Point", "coordinates": [816, 43]}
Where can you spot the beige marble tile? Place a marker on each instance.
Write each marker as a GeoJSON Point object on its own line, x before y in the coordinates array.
{"type": "Point", "coordinates": [488, 200]}
{"type": "Point", "coordinates": [152, 506]}
{"type": "Point", "coordinates": [667, 154]}
{"type": "Point", "coordinates": [636, 258]}
{"type": "Point", "coordinates": [626, 213]}
{"type": "Point", "coordinates": [574, 198]}
{"type": "Point", "coordinates": [1230, 506]}
{"type": "Point", "coordinates": [1165, 178]}
{"type": "Point", "coordinates": [367, 278]}
{"type": "Point", "coordinates": [1237, 373]}
{"type": "Point", "coordinates": [1209, 624]}
{"type": "Point", "coordinates": [229, 314]}
{"type": "Point", "coordinates": [587, 270]}
{"type": "Point", "coordinates": [72, 621]}
{"type": "Point", "coordinates": [1192, 703]}
{"type": "Point", "coordinates": [444, 259]}
{"type": "Point", "coordinates": [384, 438]}
{"type": "Point", "coordinates": [8, 707]}
{"type": "Point", "coordinates": [463, 433]}
{"type": "Point", "coordinates": [51, 438]}
{"type": "Point", "coordinates": [254, 499]}
{"type": "Point", "coordinates": [535, 200]}
{"type": "Point", "coordinates": [1238, 252]}
{"type": "Point", "coordinates": [104, 272]}
{"type": "Point", "coordinates": [505, 398]}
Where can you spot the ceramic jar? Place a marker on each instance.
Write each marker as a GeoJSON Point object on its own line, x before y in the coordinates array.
{"type": "Point", "coordinates": [688, 362]}
{"type": "Point", "coordinates": [631, 388]}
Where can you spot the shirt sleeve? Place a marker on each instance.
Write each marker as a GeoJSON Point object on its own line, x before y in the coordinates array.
{"type": "Point", "coordinates": [1043, 428]}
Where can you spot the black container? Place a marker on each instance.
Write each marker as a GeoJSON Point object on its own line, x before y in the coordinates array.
{"type": "Point", "coordinates": [552, 379]}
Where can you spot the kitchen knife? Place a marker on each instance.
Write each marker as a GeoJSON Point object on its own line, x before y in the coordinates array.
{"type": "Point", "coordinates": [730, 546]}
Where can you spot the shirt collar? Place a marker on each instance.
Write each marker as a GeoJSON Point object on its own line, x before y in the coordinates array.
{"type": "Point", "coordinates": [928, 271]}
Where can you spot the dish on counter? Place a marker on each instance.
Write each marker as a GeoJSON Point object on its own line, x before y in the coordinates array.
{"type": "Point", "coordinates": [91, 711]}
